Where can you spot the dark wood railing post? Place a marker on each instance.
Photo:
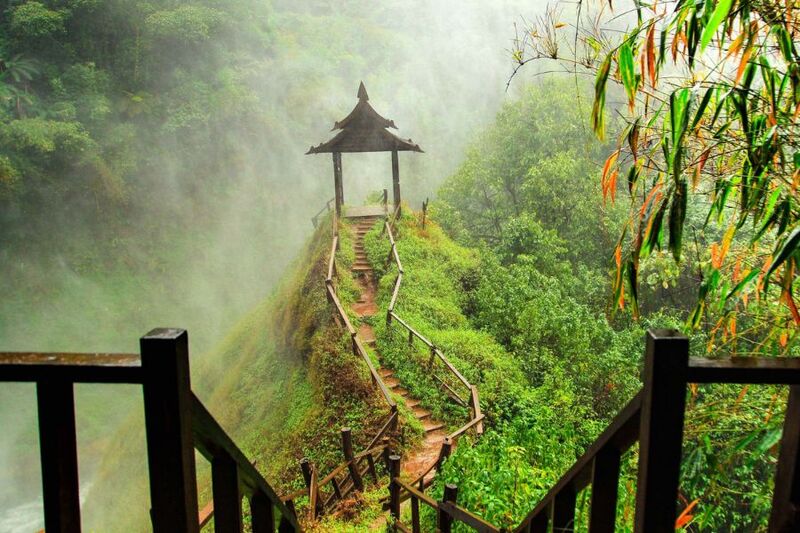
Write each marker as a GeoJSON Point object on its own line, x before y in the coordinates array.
{"type": "Point", "coordinates": [445, 520]}
{"type": "Point", "coordinates": [564, 511]}
{"type": "Point", "coordinates": [285, 526]}
{"type": "Point", "coordinates": [444, 452]}
{"type": "Point", "coordinates": [661, 430]}
{"type": "Point", "coordinates": [347, 450]}
{"type": "Point", "coordinates": [605, 481]}
{"type": "Point", "coordinates": [227, 498]}
{"type": "Point", "coordinates": [386, 453]}
{"type": "Point", "coordinates": [262, 514]}
{"type": "Point", "coordinates": [394, 487]}
{"type": "Point", "coordinates": [786, 496]}
{"type": "Point", "coordinates": [307, 468]}
{"type": "Point", "coordinates": [540, 522]}
{"type": "Point", "coordinates": [170, 446]}
{"type": "Point", "coordinates": [59, 454]}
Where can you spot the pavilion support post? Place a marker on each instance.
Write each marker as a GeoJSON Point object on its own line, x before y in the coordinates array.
{"type": "Point", "coordinates": [396, 180]}
{"type": "Point", "coordinates": [337, 182]}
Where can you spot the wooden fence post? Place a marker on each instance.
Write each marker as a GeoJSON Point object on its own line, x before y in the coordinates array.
{"type": "Point", "coordinates": [786, 496]}
{"type": "Point", "coordinates": [168, 423]}
{"type": "Point", "coordinates": [424, 212]}
{"type": "Point", "coordinates": [227, 498]}
{"type": "Point", "coordinates": [394, 487]}
{"type": "Point", "coordinates": [262, 513]}
{"type": "Point", "coordinates": [564, 511]}
{"type": "Point", "coordinates": [285, 526]}
{"type": "Point", "coordinates": [661, 431]}
{"type": "Point", "coordinates": [605, 481]}
{"type": "Point", "coordinates": [444, 453]}
{"type": "Point", "coordinates": [59, 455]}
{"type": "Point", "coordinates": [307, 468]}
{"type": "Point", "coordinates": [445, 520]}
{"type": "Point", "coordinates": [347, 449]}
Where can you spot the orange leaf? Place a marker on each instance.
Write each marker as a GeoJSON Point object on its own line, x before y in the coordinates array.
{"type": "Point", "coordinates": [606, 169]}
{"type": "Point", "coordinates": [686, 516]}
{"type": "Point", "coordinates": [742, 65]}
{"type": "Point", "coordinates": [650, 51]}
{"type": "Point", "coordinates": [784, 339]}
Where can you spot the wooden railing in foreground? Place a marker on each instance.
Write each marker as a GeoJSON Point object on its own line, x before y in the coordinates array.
{"type": "Point", "coordinates": [472, 400]}
{"type": "Point", "coordinates": [176, 423]}
{"type": "Point", "coordinates": [654, 418]}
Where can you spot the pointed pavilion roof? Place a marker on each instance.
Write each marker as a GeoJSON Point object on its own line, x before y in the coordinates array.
{"type": "Point", "coordinates": [364, 130]}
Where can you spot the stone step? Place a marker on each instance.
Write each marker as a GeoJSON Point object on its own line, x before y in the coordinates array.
{"type": "Point", "coordinates": [421, 413]}
{"type": "Point", "coordinates": [361, 268]}
{"type": "Point", "coordinates": [431, 425]}
{"type": "Point", "coordinates": [401, 391]}
{"type": "Point", "coordinates": [386, 372]}
{"type": "Point", "coordinates": [391, 382]}
{"type": "Point", "coordinates": [412, 402]}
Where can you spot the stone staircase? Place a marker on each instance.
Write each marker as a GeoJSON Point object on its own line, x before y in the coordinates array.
{"type": "Point", "coordinates": [421, 458]}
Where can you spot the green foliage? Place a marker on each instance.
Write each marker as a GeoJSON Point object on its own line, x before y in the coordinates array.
{"type": "Point", "coordinates": [34, 20]}
{"type": "Point", "coordinates": [189, 23]}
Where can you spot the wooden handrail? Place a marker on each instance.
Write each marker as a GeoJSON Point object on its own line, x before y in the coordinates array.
{"type": "Point", "coordinates": [212, 441]}
{"type": "Point", "coordinates": [71, 367]}
{"type": "Point", "coordinates": [463, 429]}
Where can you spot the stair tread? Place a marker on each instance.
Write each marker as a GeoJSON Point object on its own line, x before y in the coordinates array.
{"type": "Point", "coordinates": [431, 425]}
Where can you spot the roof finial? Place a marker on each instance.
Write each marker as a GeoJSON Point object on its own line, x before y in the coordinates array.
{"type": "Point", "coordinates": [362, 93]}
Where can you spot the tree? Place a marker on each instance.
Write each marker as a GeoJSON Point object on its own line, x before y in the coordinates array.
{"type": "Point", "coordinates": [712, 89]}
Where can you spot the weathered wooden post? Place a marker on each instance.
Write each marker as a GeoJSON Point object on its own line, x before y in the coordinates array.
{"type": "Point", "coordinates": [605, 481]}
{"type": "Point", "coordinates": [564, 511]}
{"type": "Point", "coordinates": [309, 471]}
{"type": "Point", "coordinates": [394, 487]}
{"type": "Point", "coordinates": [445, 520]}
{"type": "Point", "coordinates": [386, 453]}
{"type": "Point", "coordinates": [262, 513]}
{"type": "Point", "coordinates": [424, 211]}
{"type": "Point", "coordinates": [59, 454]}
{"type": "Point", "coordinates": [786, 496]}
{"type": "Point", "coordinates": [347, 450]}
{"type": "Point", "coordinates": [666, 366]}
{"type": "Point", "coordinates": [337, 182]}
{"type": "Point", "coordinates": [444, 452]}
{"type": "Point", "coordinates": [227, 498]}
{"type": "Point", "coordinates": [285, 526]}
{"type": "Point", "coordinates": [168, 423]}
{"type": "Point", "coordinates": [396, 181]}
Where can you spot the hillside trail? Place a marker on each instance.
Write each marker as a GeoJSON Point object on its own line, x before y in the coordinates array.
{"type": "Point", "coordinates": [421, 457]}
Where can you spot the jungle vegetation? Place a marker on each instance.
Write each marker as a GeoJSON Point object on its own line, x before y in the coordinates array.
{"type": "Point", "coordinates": [652, 183]}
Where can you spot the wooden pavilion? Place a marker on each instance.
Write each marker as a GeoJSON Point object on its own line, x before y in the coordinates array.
{"type": "Point", "coordinates": [364, 130]}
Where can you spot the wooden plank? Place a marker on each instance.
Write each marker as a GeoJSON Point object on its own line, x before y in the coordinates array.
{"type": "Point", "coordinates": [395, 292]}
{"type": "Point", "coordinates": [605, 484]}
{"type": "Point", "coordinates": [332, 260]}
{"type": "Point", "coordinates": [415, 525]}
{"type": "Point", "coordinates": [412, 491]}
{"type": "Point", "coordinates": [71, 367]}
{"type": "Point", "coordinates": [462, 515]}
{"type": "Point", "coordinates": [347, 450]}
{"type": "Point", "coordinates": [786, 496]}
{"type": "Point", "coordinates": [445, 519]}
{"type": "Point", "coordinates": [394, 487]}
{"type": "Point", "coordinates": [168, 417]}
{"type": "Point", "coordinates": [412, 331]}
{"type": "Point", "coordinates": [453, 394]}
{"type": "Point", "coordinates": [227, 498]}
{"type": "Point", "coordinates": [211, 439]}
{"type": "Point", "coordinates": [453, 369]}
{"type": "Point", "coordinates": [661, 434]}
{"type": "Point", "coordinates": [340, 309]}
{"type": "Point", "coordinates": [564, 510]}
{"type": "Point", "coordinates": [261, 513]}
{"type": "Point", "coordinates": [755, 370]}
{"type": "Point", "coordinates": [463, 429]}
{"type": "Point", "coordinates": [476, 409]}
{"type": "Point", "coordinates": [59, 457]}
{"type": "Point", "coordinates": [375, 375]}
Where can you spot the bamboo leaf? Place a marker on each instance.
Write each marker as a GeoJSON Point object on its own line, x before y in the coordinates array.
{"type": "Point", "coordinates": [598, 107]}
{"type": "Point", "coordinates": [720, 14]}
{"type": "Point", "coordinates": [789, 247]}
{"type": "Point", "coordinates": [627, 71]}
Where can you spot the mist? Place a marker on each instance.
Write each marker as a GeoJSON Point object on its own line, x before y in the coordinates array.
{"type": "Point", "coordinates": [190, 245]}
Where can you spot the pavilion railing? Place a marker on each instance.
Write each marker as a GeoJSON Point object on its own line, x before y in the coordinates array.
{"type": "Point", "coordinates": [176, 423]}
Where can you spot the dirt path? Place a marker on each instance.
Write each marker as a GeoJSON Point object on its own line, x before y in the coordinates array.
{"type": "Point", "coordinates": [420, 458]}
